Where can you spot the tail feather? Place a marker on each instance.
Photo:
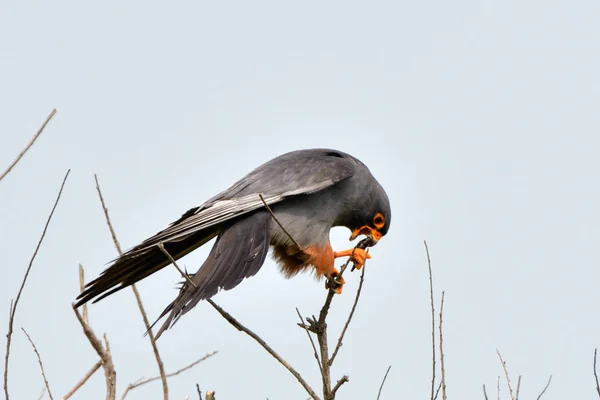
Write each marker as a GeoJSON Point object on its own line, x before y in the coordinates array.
{"type": "Point", "coordinates": [238, 253]}
{"type": "Point", "coordinates": [134, 266]}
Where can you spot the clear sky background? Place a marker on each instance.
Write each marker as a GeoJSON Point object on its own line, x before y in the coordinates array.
{"type": "Point", "coordinates": [480, 118]}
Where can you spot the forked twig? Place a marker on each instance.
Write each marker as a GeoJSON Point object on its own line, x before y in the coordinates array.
{"type": "Point", "coordinates": [138, 298]}
{"type": "Point", "coordinates": [107, 363]}
{"type": "Point", "coordinates": [383, 382]}
{"type": "Point", "coordinates": [39, 358]}
{"type": "Point", "coordinates": [13, 308]}
{"type": "Point", "coordinates": [31, 142]}
{"type": "Point", "coordinates": [312, 342]}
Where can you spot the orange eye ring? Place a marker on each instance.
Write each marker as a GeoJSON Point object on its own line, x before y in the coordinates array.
{"type": "Point", "coordinates": [378, 221]}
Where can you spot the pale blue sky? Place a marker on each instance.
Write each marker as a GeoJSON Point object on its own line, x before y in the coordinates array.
{"type": "Point", "coordinates": [480, 118]}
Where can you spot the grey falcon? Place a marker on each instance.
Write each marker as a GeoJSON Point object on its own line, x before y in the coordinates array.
{"type": "Point", "coordinates": [308, 192]}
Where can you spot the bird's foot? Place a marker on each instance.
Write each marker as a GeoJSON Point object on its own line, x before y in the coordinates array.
{"type": "Point", "coordinates": [335, 281]}
{"type": "Point", "coordinates": [358, 256]}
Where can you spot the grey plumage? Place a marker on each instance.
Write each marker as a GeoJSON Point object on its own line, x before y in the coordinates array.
{"type": "Point", "coordinates": [309, 191]}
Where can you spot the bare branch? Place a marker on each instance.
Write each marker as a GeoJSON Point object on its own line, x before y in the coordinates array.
{"type": "Point", "coordinates": [13, 308]}
{"type": "Point", "coordinates": [268, 348]}
{"type": "Point", "coordinates": [432, 320]}
{"type": "Point", "coordinates": [498, 387]}
{"type": "Point", "coordinates": [109, 369]}
{"type": "Point", "coordinates": [596, 372]}
{"type": "Point", "coordinates": [341, 338]}
{"type": "Point", "coordinates": [510, 391]}
{"type": "Point", "coordinates": [339, 384]}
{"type": "Point", "coordinates": [83, 380]}
{"type": "Point", "coordinates": [138, 298]}
{"type": "Point", "coordinates": [279, 223]}
{"type": "Point", "coordinates": [545, 388]}
{"type": "Point", "coordinates": [518, 388]}
{"type": "Point", "coordinates": [383, 382]}
{"type": "Point", "coordinates": [141, 382]}
{"type": "Point", "coordinates": [443, 383]}
{"type": "Point", "coordinates": [42, 394]}
{"type": "Point", "coordinates": [302, 324]}
{"type": "Point", "coordinates": [39, 358]}
{"type": "Point", "coordinates": [31, 142]}
{"type": "Point", "coordinates": [485, 393]}
{"type": "Point", "coordinates": [81, 289]}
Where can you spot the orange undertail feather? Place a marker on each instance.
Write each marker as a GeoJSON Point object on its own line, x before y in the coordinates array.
{"type": "Point", "coordinates": [292, 260]}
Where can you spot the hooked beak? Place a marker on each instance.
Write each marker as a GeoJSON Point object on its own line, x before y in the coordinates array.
{"type": "Point", "coordinates": [369, 232]}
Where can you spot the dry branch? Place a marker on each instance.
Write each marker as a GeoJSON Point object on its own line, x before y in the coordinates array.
{"type": "Point", "coordinates": [383, 382]}
{"type": "Point", "coordinates": [109, 369]}
{"type": "Point", "coordinates": [545, 388]}
{"type": "Point", "coordinates": [596, 372]}
{"type": "Point", "coordinates": [39, 358]}
{"type": "Point", "coordinates": [13, 307]}
{"type": "Point", "coordinates": [443, 382]}
{"type": "Point", "coordinates": [31, 142]}
{"type": "Point", "coordinates": [510, 391]}
{"type": "Point", "coordinates": [83, 380]}
{"type": "Point", "coordinates": [142, 381]}
{"type": "Point", "coordinates": [138, 298]}
{"type": "Point", "coordinates": [432, 320]}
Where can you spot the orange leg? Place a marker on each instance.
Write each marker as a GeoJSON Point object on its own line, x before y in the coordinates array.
{"type": "Point", "coordinates": [359, 257]}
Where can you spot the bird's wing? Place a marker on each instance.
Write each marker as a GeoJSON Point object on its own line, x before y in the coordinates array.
{"type": "Point", "coordinates": [289, 175]}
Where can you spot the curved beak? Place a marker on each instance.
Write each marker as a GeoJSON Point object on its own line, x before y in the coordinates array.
{"type": "Point", "coordinates": [369, 232]}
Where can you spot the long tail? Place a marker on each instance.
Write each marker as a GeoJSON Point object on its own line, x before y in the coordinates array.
{"type": "Point", "coordinates": [135, 265]}
{"type": "Point", "coordinates": [238, 253]}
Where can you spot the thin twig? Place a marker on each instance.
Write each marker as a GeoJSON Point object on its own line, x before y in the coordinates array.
{"type": "Point", "coordinates": [268, 348]}
{"type": "Point", "coordinates": [83, 380]}
{"type": "Point", "coordinates": [432, 321]}
{"type": "Point", "coordinates": [518, 388]}
{"type": "Point", "coordinates": [498, 387]}
{"type": "Point", "coordinates": [442, 350]}
{"type": "Point", "coordinates": [437, 391]}
{"type": "Point", "coordinates": [198, 391]}
{"type": "Point", "coordinates": [107, 363]}
{"type": "Point", "coordinates": [82, 288]}
{"type": "Point", "coordinates": [161, 246]}
{"type": "Point", "coordinates": [545, 388]}
{"type": "Point", "coordinates": [383, 382]}
{"type": "Point", "coordinates": [31, 142]}
{"type": "Point", "coordinates": [138, 298]}
{"type": "Point", "coordinates": [485, 393]}
{"type": "Point", "coordinates": [13, 308]}
{"type": "Point", "coordinates": [341, 338]}
{"type": "Point", "coordinates": [510, 391]}
{"type": "Point", "coordinates": [339, 384]}
{"type": "Point", "coordinates": [596, 372]}
{"type": "Point", "coordinates": [142, 381]}
{"type": "Point", "coordinates": [311, 340]}
{"type": "Point", "coordinates": [279, 223]}
{"type": "Point", "coordinates": [39, 358]}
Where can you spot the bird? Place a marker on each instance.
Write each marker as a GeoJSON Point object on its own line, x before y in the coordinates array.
{"type": "Point", "coordinates": [288, 204]}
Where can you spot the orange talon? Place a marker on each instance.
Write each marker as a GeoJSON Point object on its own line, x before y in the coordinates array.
{"type": "Point", "coordinates": [358, 257]}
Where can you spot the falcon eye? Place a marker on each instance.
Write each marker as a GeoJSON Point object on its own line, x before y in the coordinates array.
{"type": "Point", "coordinates": [378, 221]}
